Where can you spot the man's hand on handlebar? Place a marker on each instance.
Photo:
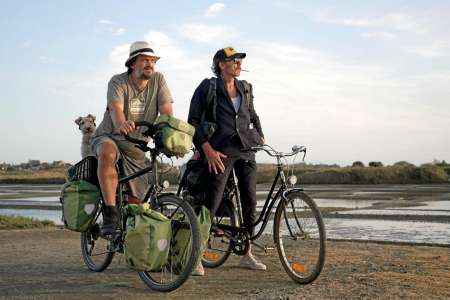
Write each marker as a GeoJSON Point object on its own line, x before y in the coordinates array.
{"type": "Point", "coordinates": [127, 127]}
{"type": "Point", "coordinates": [214, 158]}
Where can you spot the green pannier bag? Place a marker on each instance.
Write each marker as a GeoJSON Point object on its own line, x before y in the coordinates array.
{"type": "Point", "coordinates": [80, 203]}
{"type": "Point", "coordinates": [173, 136]}
{"type": "Point", "coordinates": [181, 243]}
{"type": "Point", "coordinates": [147, 239]}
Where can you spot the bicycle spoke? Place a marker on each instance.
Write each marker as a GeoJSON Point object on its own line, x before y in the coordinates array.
{"type": "Point", "coordinates": [300, 236]}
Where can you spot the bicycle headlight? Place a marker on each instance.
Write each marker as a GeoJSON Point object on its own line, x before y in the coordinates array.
{"type": "Point", "coordinates": [165, 184]}
{"type": "Point", "coordinates": [292, 179]}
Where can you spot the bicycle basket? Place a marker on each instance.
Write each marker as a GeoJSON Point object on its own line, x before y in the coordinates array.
{"type": "Point", "coordinates": [85, 169]}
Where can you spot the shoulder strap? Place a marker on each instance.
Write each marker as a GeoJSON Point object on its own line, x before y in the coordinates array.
{"type": "Point", "coordinates": [211, 100]}
{"type": "Point", "coordinates": [248, 91]}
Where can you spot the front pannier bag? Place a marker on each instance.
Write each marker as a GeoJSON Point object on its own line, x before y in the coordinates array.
{"type": "Point", "coordinates": [181, 244]}
{"type": "Point", "coordinates": [173, 136]}
{"type": "Point", "coordinates": [148, 237]}
{"type": "Point", "coordinates": [80, 202]}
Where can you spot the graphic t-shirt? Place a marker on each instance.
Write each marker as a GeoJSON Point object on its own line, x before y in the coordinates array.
{"type": "Point", "coordinates": [138, 105]}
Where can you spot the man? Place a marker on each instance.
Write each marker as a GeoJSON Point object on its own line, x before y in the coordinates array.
{"type": "Point", "coordinates": [138, 94]}
{"type": "Point", "coordinates": [225, 144]}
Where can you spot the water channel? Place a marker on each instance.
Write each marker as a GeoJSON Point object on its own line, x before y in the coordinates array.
{"type": "Point", "coordinates": [430, 202]}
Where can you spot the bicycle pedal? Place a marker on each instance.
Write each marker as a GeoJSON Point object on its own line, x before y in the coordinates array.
{"type": "Point", "coordinates": [265, 248]}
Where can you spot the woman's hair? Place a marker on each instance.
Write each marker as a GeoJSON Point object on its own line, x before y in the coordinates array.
{"type": "Point", "coordinates": [215, 67]}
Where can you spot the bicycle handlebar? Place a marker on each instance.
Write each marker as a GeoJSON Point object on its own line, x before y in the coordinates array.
{"type": "Point", "coordinates": [149, 132]}
{"type": "Point", "coordinates": [272, 152]}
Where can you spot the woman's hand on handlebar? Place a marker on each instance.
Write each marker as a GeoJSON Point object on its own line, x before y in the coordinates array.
{"type": "Point", "coordinates": [127, 127]}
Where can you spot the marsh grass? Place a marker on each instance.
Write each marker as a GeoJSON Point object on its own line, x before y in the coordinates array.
{"type": "Point", "coordinates": [51, 176]}
{"type": "Point", "coordinates": [401, 173]}
{"type": "Point", "coordinates": [15, 222]}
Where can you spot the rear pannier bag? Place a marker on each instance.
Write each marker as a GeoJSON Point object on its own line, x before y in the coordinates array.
{"type": "Point", "coordinates": [147, 239]}
{"type": "Point", "coordinates": [173, 136]}
{"type": "Point", "coordinates": [80, 203]}
{"type": "Point", "coordinates": [181, 244]}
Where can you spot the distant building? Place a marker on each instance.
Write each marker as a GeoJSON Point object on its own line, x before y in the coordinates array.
{"type": "Point", "coordinates": [58, 163]}
{"type": "Point", "coordinates": [34, 162]}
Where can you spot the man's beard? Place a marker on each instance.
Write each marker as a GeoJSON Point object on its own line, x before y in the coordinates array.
{"type": "Point", "coordinates": [142, 76]}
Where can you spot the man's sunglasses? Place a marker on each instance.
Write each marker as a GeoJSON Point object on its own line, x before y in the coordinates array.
{"type": "Point", "coordinates": [235, 60]}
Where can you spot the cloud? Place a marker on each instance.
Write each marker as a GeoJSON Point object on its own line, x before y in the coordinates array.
{"type": "Point", "coordinates": [311, 97]}
{"type": "Point", "coordinates": [172, 55]}
{"type": "Point", "coordinates": [396, 21]}
{"type": "Point", "coordinates": [105, 22]}
{"type": "Point", "coordinates": [118, 56]}
{"type": "Point", "coordinates": [46, 59]}
{"type": "Point", "coordinates": [118, 31]}
{"type": "Point", "coordinates": [208, 33]}
{"type": "Point", "coordinates": [420, 33]}
{"type": "Point", "coordinates": [428, 51]}
{"type": "Point", "coordinates": [27, 44]}
{"type": "Point", "coordinates": [214, 9]}
{"type": "Point", "coordinates": [380, 35]}
{"type": "Point", "coordinates": [107, 26]}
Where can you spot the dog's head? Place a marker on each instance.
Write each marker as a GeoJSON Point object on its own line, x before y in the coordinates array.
{"type": "Point", "coordinates": [86, 124]}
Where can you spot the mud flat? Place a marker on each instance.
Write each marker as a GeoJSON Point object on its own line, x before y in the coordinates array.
{"type": "Point", "coordinates": [47, 264]}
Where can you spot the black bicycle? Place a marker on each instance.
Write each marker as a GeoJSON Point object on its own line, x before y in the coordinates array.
{"type": "Point", "coordinates": [98, 251]}
{"type": "Point", "coordinates": [298, 228]}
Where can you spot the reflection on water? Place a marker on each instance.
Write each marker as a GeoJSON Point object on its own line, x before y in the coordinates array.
{"type": "Point", "coordinates": [397, 231]}
{"type": "Point", "coordinates": [350, 203]}
{"type": "Point", "coordinates": [380, 230]}
{"type": "Point", "coordinates": [26, 201]}
{"type": "Point", "coordinates": [396, 212]}
{"type": "Point", "coordinates": [436, 205]}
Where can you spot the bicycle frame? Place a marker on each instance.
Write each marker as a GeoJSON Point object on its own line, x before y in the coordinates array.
{"type": "Point", "coordinates": [153, 191]}
{"type": "Point", "coordinates": [270, 202]}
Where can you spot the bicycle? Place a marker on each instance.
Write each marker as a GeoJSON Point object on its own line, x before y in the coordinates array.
{"type": "Point", "coordinates": [98, 251]}
{"type": "Point", "coordinates": [298, 228]}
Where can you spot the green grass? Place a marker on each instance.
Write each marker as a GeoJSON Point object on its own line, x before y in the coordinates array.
{"type": "Point", "coordinates": [14, 222]}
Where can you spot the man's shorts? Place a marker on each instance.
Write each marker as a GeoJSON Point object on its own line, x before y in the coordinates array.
{"type": "Point", "coordinates": [138, 186]}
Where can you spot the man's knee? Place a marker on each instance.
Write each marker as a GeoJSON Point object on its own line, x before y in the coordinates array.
{"type": "Point", "coordinates": [107, 154]}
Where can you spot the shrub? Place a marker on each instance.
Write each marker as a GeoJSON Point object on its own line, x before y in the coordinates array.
{"type": "Point", "coordinates": [375, 164]}
{"type": "Point", "coordinates": [357, 164]}
{"type": "Point", "coordinates": [403, 163]}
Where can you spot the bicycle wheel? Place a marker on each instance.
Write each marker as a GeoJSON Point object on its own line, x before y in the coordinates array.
{"type": "Point", "coordinates": [174, 274]}
{"type": "Point", "coordinates": [220, 245]}
{"type": "Point", "coordinates": [96, 251]}
{"type": "Point", "coordinates": [299, 235]}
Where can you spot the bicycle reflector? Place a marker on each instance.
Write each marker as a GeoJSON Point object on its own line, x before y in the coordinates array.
{"type": "Point", "coordinates": [210, 255]}
{"type": "Point", "coordinates": [298, 268]}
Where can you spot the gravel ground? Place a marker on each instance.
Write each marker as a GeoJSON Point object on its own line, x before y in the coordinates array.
{"type": "Point", "coordinates": [47, 264]}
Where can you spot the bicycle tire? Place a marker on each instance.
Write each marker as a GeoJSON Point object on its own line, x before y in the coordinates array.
{"type": "Point", "coordinates": [215, 256]}
{"type": "Point", "coordinates": [156, 280]}
{"type": "Point", "coordinates": [95, 250]}
{"type": "Point", "coordinates": [299, 234]}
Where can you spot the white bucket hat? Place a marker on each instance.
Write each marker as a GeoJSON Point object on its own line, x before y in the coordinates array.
{"type": "Point", "coordinates": [140, 48]}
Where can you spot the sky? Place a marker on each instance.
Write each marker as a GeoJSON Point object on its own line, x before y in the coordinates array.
{"type": "Point", "coordinates": [350, 80]}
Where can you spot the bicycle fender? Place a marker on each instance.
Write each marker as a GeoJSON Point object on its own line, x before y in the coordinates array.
{"type": "Point", "coordinates": [289, 191]}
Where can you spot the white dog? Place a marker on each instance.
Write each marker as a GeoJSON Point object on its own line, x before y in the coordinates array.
{"type": "Point", "coordinates": [87, 128]}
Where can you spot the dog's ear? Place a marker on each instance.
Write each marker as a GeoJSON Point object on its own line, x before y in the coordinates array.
{"type": "Point", "coordinates": [91, 116]}
{"type": "Point", "coordinates": [77, 121]}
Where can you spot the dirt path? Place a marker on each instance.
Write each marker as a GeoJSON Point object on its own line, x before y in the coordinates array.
{"type": "Point", "coordinates": [47, 264]}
